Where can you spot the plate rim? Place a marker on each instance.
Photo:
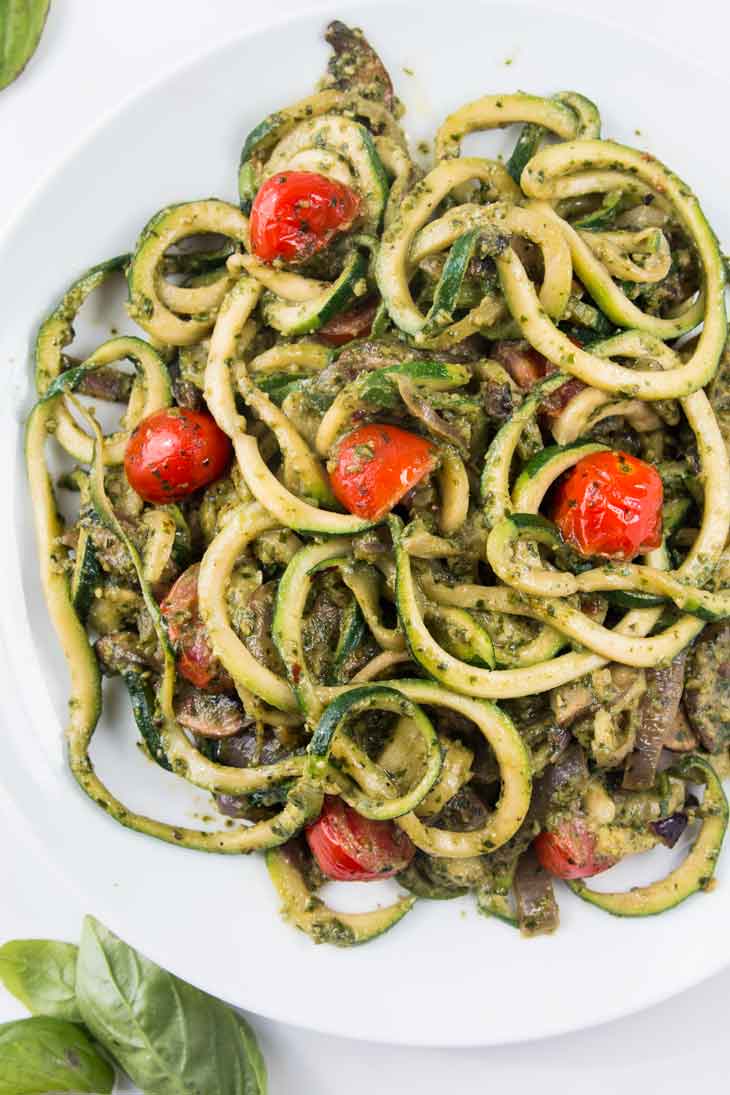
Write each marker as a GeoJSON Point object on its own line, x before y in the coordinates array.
{"type": "Point", "coordinates": [328, 8]}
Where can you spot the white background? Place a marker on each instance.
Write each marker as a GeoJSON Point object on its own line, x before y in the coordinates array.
{"type": "Point", "coordinates": [93, 55]}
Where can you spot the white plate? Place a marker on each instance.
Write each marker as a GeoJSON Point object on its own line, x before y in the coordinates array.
{"type": "Point", "coordinates": [445, 976]}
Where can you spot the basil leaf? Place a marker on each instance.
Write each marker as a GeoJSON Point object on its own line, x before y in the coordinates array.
{"type": "Point", "coordinates": [39, 1055]}
{"type": "Point", "coordinates": [255, 1057]}
{"type": "Point", "coordinates": [21, 26]}
{"type": "Point", "coordinates": [42, 975]}
{"type": "Point", "coordinates": [171, 1038]}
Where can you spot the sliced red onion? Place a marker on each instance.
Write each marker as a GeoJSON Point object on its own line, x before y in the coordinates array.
{"type": "Point", "coordinates": [569, 770]}
{"type": "Point", "coordinates": [420, 408]}
{"type": "Point", "coordinates": [669, 829]}
{"type": "Point", "coordinates": [537, 909]}
{"type": "Point", "coordinates": [659, 706]}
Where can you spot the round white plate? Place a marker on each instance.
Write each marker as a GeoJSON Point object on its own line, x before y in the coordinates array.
{"type": "Point", "coordinates": [445, 976]}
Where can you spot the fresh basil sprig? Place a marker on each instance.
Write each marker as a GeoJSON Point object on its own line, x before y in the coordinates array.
{"type": "Point", "coordinates": [21, 26]}
{"type": "Point", "coordinates": [40, 1054]}
{"type": "Point", "coordinates": [171, 1038]}
{"type": "Point", "coordinates": [41, 973]}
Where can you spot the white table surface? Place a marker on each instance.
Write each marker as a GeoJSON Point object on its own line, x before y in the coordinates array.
{"type": "Point", "coordinates": [94, 54]}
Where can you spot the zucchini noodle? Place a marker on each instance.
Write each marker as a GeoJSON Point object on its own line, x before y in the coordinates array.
{"type": "Point", "coordinates": [333, 637]}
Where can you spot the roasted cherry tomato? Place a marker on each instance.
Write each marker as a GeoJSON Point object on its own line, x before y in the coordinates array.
{"type": "Point", "coordinates": [195, 659]}
{"type": "Point", "coordinates": [377, 465]}
{"type": "Point", "coordinates": [350, 848]}
{"type": "Point", "coordinates": [356, 322]}
{"type": "Point", "coordinates": [569, 851]}
{"type": "Point", "coordinates": [296, 213]}
{"type": "Point", "coordinates": [174, 452]}
{"type": "Point", "coordinates": [610, 504]}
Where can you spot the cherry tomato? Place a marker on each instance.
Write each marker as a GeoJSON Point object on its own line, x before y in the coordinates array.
{"type": "Point", "coordinates": [610, 504]}
{"type": "Point", "coordinates": [350, 848]}
{"type": "Point", "coordinates": [195, 659]}
{"type": "Point", "coordinates": [355, 323]}
{"type": "Point", "coordinates": [377, 465]}
{"type": "Point", "coordinates": [174, 452]}
{"type": "Point", "coordinates": [296, 213]}
{"type": "Point", "coordinates": [570, 851]}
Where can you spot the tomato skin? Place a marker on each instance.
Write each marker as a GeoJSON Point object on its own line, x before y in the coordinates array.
{"type": "Point", "coordinates": [194, 657]}
{"type": "Point", "coordinates": [610, 504]}
{"type": "Point", "coordinates": [174, 452]}
{"type": "Point", "coordinates": [296, 213]}
{"type": "Point", "coordinates": [356, 322]}
{"type": "Point", "coordinates": [377, 465]}
{"type": "Point", "coordinates": [351, 848]}
{"type": "Point", "coordinates": [569, 851]}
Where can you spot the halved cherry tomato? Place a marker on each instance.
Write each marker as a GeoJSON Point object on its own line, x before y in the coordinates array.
{"type": "Point", "coordinates": [296, 213]}
{"type": "Point", "coordinates": [610, 504]}
{"type": "Point", "coordinates": [351, 848]}
{"type": "Point", "coordinates": [377, 465]}
{"type": "Point", "coordinates": [174, 452]}
{"type": "Point", "coordinates": [354, 323]}
{"type": "Point", "coordinates": [195, 659]}
{"type": "Point", "coordinates": [570, 851]}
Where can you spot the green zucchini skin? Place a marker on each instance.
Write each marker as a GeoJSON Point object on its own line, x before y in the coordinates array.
{"type": "Point", "coordinates": [694, 874]}
{"type": "Point", "coordinates": [544, 467]}
{"type": "Point", "coordinates": [634, 598]}
{"type": "Point", "coordinates": [86, 575]}
{"type": "Point", "coordinates": [354, 630]}
{"type": "Point", "coordinates": [182, 548]}
{"type": "Point", "coordinates": [602, 217]}
{"type": "Point", "coordinates": [245, 523]}
{"type": "Point", "coordinates": [449, 284]}
{"type": "Point", "coordinates": [291, 511]}
{"type": "Point", "coordinates": [537, 582]}
{"type": "Point", "coordinates": [494, 485]}
{"type": "Point", "coordinates": [291, 134]}
{"type": "Point", "coordinates": [462, 635]}
{"type": "Point", "coordinates": [143, 708]}
{"type": "Point", "coordinates": [167, 227]}
{"type": "Point", "coordinates": [567, 114]}
{"type": "Point", "coordinates": [286, 630]}
{"type": "Point", "coordinates": [497, 906]}
{"type": "Point", "coordinates": [525, 148]}
{"type": "Point", "coordinates": [322, 924]}
{"type": "Point", "coordinates": [157, 394]}
{"type": "Point", "coordinates": [333, 720]}
{"type": "Point", "coordinates": [378, 390]}
{"type": "Point", "coordinates": [309, 316]}
{"type": "Point", "coordinates": [416, 883]}
{"type": "Point", "coordinates": [541, 175]}
{"type": "Point", "coordinates": [56, 332]}
{"type": "Point", "coordinates": [83, 667]}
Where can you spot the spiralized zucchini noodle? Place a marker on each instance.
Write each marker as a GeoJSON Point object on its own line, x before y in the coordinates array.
{"type": "Point", "coordinates": [444, 676]}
